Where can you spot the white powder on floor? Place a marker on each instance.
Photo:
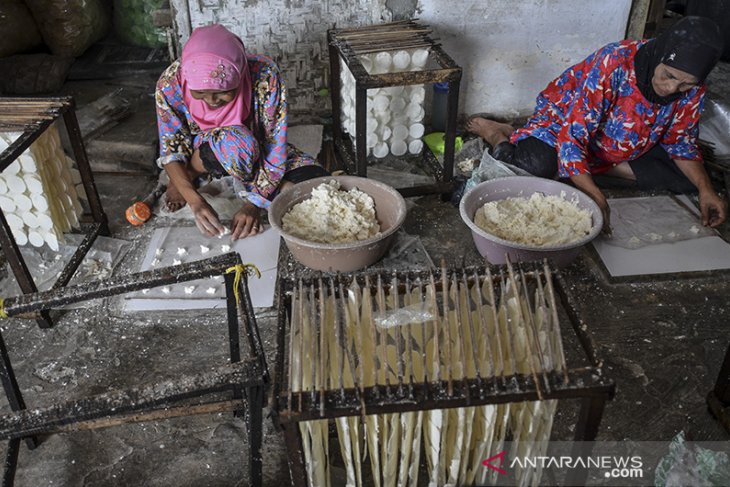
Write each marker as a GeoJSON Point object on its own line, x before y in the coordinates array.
{"type": "Point", "coordinates": [538, 220]}
{"type": "Point", "coordinates": [333, 216]}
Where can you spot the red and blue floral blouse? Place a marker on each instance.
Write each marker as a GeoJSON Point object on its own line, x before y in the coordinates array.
{"type": "Point", "coordinates": [596, 117]}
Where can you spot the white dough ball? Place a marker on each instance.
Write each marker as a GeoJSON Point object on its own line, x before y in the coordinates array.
{"type": "Point", "coordinates": [22, 202]}
{"type": "Point", "coordinates": [419, 57]}
{"type": "Point", "coordinates": [380, 150]}
{"type": "Point", "coordinates": [401, 60]}
{"type": "Point", "coordinates": [15, 184]}
{"type": "Point", "coordinates": [12, 169]}
{"type": "Point", "coordinates": [397, 104]}
{"type": "Point", "coordinates": [14, 221]}
{"type": "Point", "coordinates": [40, 202]}
{"type": "Point", "coordinates": [7, 204]}
{"type": "Point", "coordinates": [398, 147]}
{"type": "Point", "coordinates": [27, 163]}
{"type": "Point", "coordinates": [400, 132]}
{"type": "Point", "coordinates": [20, 236]}
{"type": "Point", "coordinates": [44, 221]}
{"type": "Point", "coordinates": [380, 103]}
{"type": "Point", "coordinates": [415, 146]}
{"type": "Point", "coordinates": [383, 62]}
{"type": "Point", "coordinates": [416, 130]}
{"type": "Point", "coordinates": [33, 183]}
{"type": "Point", "coordinates": [35, 239]}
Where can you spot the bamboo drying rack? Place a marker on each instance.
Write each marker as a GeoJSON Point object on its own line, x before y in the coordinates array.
{"type": "Point", "coordinates": [31, 117]}
{"type": "Point", "coordinates": [442, 391]}
{"type": "Point", "coordinates": [345, 45]}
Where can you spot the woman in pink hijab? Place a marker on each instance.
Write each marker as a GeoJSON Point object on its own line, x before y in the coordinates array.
{"type": "Point", "coordinates": [222, 112]}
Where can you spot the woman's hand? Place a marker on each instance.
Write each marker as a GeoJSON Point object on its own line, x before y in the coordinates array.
{"type": "Point", "coordinates": [713, 208]}
{"type": "Point", "coordinates": [246, 222]}
{"type": "Point", "coordinates": [585, 183]}
{"type": "Point", "coordinates": [206, 219]}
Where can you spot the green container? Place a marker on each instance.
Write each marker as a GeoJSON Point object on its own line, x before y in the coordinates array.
{"type": "Point", "coordinates": [133, 22]}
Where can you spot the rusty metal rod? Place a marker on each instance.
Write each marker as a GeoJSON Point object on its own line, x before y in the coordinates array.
{"type": "Point", "coordinates": [24, 423]}
{"type": "Point", "coordinates": [55, 298]}
{"type": "Point", "coordinates": [585, 382]}
{"type": "Point", "coordinates": [166, 412]}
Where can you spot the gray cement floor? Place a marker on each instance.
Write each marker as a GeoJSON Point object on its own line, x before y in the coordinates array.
{"type": "Point", "coordinates": [662, 342]}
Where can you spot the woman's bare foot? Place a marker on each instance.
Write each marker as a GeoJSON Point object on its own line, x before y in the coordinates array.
{"type": "Point", "coordinates": [174, 200]}
{"type": "Point", "coordinates": [491, 131]}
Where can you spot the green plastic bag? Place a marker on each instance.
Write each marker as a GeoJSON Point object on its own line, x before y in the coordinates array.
{"type": "Point", "coordinates": [133, 22]}
{"type": "Point", "coordinates": [692, 465]}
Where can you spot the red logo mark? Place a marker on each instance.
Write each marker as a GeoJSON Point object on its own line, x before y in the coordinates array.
{"type": "Point", "coordinates": [488, 462]}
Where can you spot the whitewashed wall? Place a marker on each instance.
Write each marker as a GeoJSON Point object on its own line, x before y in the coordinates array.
{"type": "Point", "coordinates": [509, 49]}
{"type": "Point", "coordinates": [292, 32]}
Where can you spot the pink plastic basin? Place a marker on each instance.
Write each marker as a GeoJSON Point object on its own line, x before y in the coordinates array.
{"type": "Point", "coordinates": [497, 250]}
{"type": "Point", "coordinates": [390, 210]}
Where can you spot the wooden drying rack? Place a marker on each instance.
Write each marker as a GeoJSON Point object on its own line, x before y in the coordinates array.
{"type": "Point", "coordinates": [31, 117]}
{"type": "Point", "coordinates": [345, 45]}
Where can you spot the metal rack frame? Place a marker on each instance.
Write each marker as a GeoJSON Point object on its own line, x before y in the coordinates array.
{"type": "Point", "coordinates": [247, 379]}
{"type": "Point", "coordinates": [588, 384]}
{"type": "Point", "coordinates": [449, 72]}
{"type": "Point", "coordinates": [32, 116]}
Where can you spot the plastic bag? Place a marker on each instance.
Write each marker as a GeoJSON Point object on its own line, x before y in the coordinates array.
{"type": "Point", "coordinates": [642, 221]}
{"type": "Point", "coordinates": [688, 464]}
{"type": "Point", "coordinates": [69, 27]}
{"type": "Point", "coordinates": [18, 27]}
{"type": "Point", "coordinates": [715, 126]}
{"type": "Point", "coordinates": [490, 168]}
{"type": "Point", "coordinates": [133, 22]}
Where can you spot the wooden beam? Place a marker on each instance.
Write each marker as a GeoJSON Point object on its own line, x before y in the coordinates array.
{"type": "Point", "coordinates": [637, 19]}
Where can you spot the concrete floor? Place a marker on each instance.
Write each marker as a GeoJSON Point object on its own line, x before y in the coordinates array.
{"type": "Point", "coordinates": [662, 342]}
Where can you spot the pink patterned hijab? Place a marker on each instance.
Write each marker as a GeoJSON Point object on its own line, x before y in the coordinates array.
{"type": "Point", "coordinates": [215, 59]}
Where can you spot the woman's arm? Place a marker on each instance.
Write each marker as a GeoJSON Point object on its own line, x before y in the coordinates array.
{"type": "Point", "coordinates": [583, 114]}
{"type": "Point", "coordinates": [713, 208]}
{"type": "Point", "coordinates": [680, 142]}
{"type": "Point", "coordinates": [176, 150]}
{"type": "Point", "coordinates": [270, 100]}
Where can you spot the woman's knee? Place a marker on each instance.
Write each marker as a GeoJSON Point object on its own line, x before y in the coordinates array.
{"type": "Point", "coordinates": [536, 157]}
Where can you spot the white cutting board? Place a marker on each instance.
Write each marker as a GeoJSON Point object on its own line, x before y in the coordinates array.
{"type": "Point", "coordinates": [699, 254]}
{"type": "Point", "coordinates": [262, 250]}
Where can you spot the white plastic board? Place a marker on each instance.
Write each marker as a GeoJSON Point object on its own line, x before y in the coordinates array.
{"type": "Point", "coordinates": [261, 250]}
{"type": "Point", "coordinates": [699, 254]}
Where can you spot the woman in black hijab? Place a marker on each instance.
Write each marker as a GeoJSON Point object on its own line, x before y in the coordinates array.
{"type": "Point", "coordinates": [630, 110]}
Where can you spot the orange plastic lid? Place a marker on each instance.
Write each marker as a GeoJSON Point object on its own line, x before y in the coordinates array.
{"type": "Point", "coordinates": [138, 213]}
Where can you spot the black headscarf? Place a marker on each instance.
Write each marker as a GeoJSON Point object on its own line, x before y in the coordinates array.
{"type": "Point", "coordinates": [692, 44]}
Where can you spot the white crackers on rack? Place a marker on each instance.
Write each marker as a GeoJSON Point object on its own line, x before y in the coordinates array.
{"type": "Point", "coordinates": [394, 114]}
{"type": "Point", "coordinates": [39, 191]}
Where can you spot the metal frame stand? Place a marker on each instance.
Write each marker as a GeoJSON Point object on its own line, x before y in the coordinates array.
{"type": "Point", "coordinates": [589, 383]}
{"type": "Point", "coordinates": [341, 50]}
{"type": "Point", "coordinates": [247, 379]}
{"type": "Point", "coordinates": [32, 116]}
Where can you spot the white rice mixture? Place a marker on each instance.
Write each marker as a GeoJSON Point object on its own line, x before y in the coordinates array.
{"type": "Point", "coordinates": [538, 220]}
{"type": "Point", "coordinates": [333, 216]}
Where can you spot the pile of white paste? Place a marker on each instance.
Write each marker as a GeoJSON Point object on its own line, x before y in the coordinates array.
{"type": "Point", "coordinates": [333, 216]}
{"type": "Point", "coordinates": [539, 220]}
